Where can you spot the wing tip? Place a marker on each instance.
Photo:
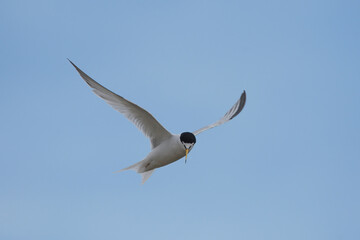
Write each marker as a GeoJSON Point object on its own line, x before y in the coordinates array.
{"type": "Point", "coordinates": [243, 95]}
{"type": "Point", "coordinates": [91, 82]}
{"type": "Point", "coordinates": [76, 67]}
{"type": "Point", "coordinates": [71, 62]}
{"type": "Point", "coordinates": [241, 105]}
{"type": "Point", "coordinates": [242, 100]}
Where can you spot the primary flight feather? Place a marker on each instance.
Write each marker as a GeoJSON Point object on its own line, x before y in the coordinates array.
{"type": "Point", "coordinates": [165, 146]}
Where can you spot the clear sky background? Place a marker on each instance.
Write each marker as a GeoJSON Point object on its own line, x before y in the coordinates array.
{"type": "Point", "coordinates": [286, 168]}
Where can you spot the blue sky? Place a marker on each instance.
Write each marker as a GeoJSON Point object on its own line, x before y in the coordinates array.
{"type": "Point", "coordinates": [286, 168]}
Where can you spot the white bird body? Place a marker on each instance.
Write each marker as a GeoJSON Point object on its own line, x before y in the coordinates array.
{"type": "Point", "coordinates": [167, 152]}
{"type": "Point", "coordinates": [166, 148]}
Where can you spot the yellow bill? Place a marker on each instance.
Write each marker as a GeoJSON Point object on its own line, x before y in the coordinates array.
{"type": "Point", "coordinates": [186, 153]}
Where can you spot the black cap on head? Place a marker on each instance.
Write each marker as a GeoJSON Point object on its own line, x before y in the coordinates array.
{"type": "Point", "coordinates": [187, 137]}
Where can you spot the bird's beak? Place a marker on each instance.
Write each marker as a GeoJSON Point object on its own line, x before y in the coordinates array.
{"type": "Point", "coordinates": [186, 153]}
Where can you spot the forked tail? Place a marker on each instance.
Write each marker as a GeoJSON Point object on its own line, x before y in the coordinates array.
{"type": "Point", "coordinates": [137, 168]}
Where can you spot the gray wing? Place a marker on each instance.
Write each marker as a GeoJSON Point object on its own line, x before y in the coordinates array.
{"type": "Point", "coordinates": [233, 112]}
{"type": "Point", "coordinates": [137, 115]}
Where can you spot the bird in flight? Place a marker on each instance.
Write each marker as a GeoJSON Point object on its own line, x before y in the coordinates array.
{"type": "Point", "coordinates": [166, 147]}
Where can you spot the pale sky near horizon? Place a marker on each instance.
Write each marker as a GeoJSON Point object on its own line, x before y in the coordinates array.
{"type": "Point", "coordinates": [287, 167]}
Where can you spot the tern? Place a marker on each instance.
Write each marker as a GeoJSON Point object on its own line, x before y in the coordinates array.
{"type": "Point", "coordinates": [166, 147]}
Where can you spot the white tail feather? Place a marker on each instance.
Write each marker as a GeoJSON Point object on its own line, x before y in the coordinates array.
{"type": "Point", "coordinates": [146, 175]}
{"type": "Point", "coordinates": [137, 168]}
{"type": "Point", "coordinates": [134, 167]}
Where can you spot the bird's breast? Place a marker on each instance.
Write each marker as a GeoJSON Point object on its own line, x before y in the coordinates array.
{"type": "Point", "coordinates": [164, 154]}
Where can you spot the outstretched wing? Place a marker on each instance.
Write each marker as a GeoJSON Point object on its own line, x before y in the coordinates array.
{"type": "Point", "coordinates": [137, 115]}
{"type": "Point", "coordinates": [233, 112]}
